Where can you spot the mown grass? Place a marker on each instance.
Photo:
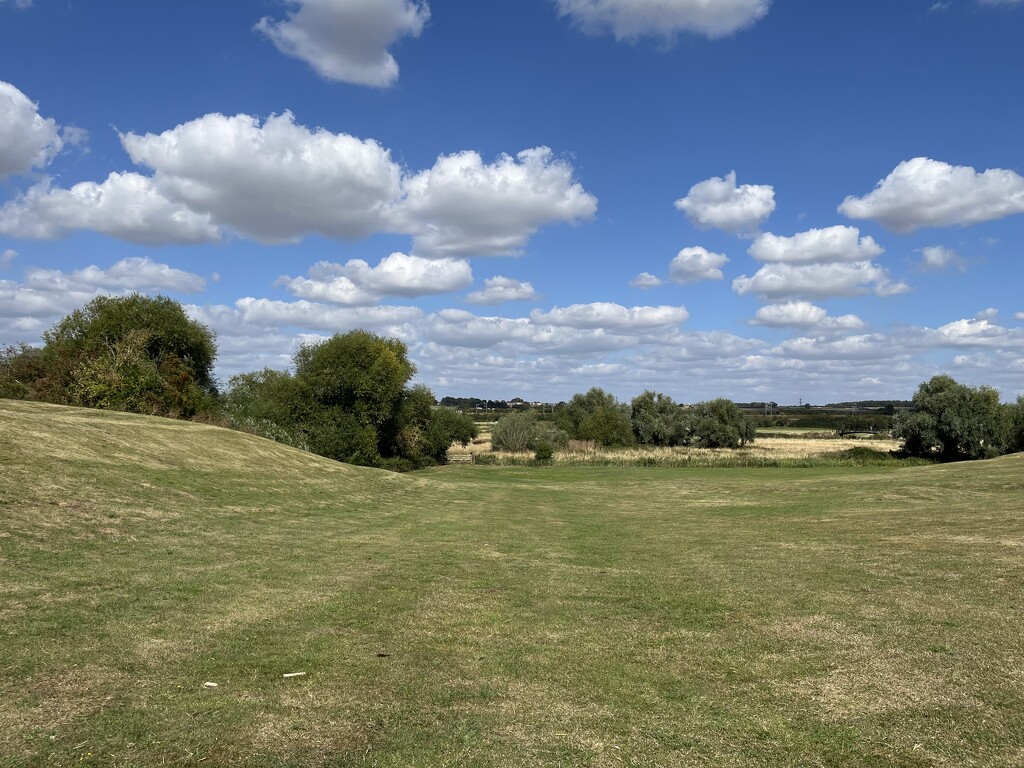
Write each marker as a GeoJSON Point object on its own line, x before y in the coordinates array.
{"type": "Point", "coordinates": [492, 616]}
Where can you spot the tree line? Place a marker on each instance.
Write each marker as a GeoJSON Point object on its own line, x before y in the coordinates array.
{"type": "Point", "coordinates": [349, 397]}
{"type": "Point", "coordinates": [651, 418]}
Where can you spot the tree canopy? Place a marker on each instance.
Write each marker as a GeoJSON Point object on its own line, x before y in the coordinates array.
{"type": "Point", "coordinates": [130, 353]}
{"type": "Point", "coordinates": [952, 421]}
{"type": "Point", "coordinates": [350, 400]}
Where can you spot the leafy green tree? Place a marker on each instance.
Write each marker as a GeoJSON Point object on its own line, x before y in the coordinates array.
{"type": "Point", "coordinates": [657, 420]}
{"type": "Point", "coordinates": [266, 403]}
{"type": "Point", "coordinates": [133, 353]}
{"type": "Point", "coordinates": [952, 421]}
{"type": "Point", "coordinates": [359, 372]}
{"type": "Point", "coordinates": [1015, 421]}
{"type": "Point", "coordinates": [348, 400]}
{"type": "Point", "coordinates": [597, 416]}
{"type": "Point", "coordinates": [171, 336]}
{"type": "Point", "coordinates": [446, 426]}
{"type": "Point", "coordinates": [721, 424]}
{"type": "Point", "coordinates": [426, 432]}
{"type": "Point", "coordinates": [21, 367]}
{"type": "Point", "coordinates": [122, 378]}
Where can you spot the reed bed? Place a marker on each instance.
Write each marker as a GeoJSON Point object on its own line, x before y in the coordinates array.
{"type": "Point", "coordinates": [765, 452]}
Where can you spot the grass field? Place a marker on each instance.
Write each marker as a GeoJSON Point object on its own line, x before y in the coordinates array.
{"type": "Point", "coordinates": [495, 616]}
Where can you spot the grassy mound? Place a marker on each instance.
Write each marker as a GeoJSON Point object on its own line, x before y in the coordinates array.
{"type": "Point", "coordinates": [480, 616]}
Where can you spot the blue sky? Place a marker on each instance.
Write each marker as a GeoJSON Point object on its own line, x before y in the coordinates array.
{"type": "Point", "coordinates": [761, 200]}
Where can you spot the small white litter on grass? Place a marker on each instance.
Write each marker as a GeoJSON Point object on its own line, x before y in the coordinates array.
{"type": "Point", "coordinates": [293, 674]}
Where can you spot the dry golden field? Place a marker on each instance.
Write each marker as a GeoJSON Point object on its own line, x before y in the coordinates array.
{"type": "Point", "coordinates": [767, 448]}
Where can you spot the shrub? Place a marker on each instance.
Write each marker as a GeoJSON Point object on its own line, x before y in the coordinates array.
{"type": "Point", "coordinates": [21, 367]}
{"type": "Point", "coordinates": [544, 452]}
{"type": "Point", "coordinates": [514, 432]}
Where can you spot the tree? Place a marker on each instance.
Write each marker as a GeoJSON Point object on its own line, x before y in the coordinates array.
{"type": "Point", "coordinates": [21, 367]}
{"type": "Point", "coordinates": [133, 353]}
{"type": "Point", "coordinates": [657, 420]}
{"type": "Point", "coordinates": [426, 432]}
{"type": "Point", "coordinates": [359, 372]}
{"type": "Point", "coordinates": [515, 432]}
{"type": "Point", "coordinates": [349, 401]}
{"type": "Point", "coordinates": [265, 403]}
{"type": "Point", "coordinates": [721, 424]}
{"type": "Point", "coordinates": [597, 416]}
{"type": "Point", "coordinates": [1015, 426]}
{"type": "Point", "coordinates": [952, 421]}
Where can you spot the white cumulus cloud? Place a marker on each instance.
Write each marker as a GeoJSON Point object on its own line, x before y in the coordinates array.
{"type": "Point", "coordinates": [499, 289]}
{"type": "Point", "coordinates": [818, 281]}
{"type": "Point", "coordinates": [927, 193]}
{"type": "Point", "coordinates": [816, 246]}
{"type": "Point", "coordinates": [131, 274]}
{"type": "Point", "coordinates": [126, 206]}
{"type": "Point", "coordinates": [357, 283]}
{"type": "Point", "coordinates": [321, 317]}
{"type": "Point", "coordinates": [693, 264]}
{"type": "Point", "coordinates": [275, 181]}
{"type": "Point", "coordinates": [611, 317]}
{"type": "Point", "coordinates": [27, 139]}
{"type": "Point", "coordinates": [646, 280]}
{"type": "Point", "coordinates": [49, 293]}
{"type": "Point", "coordinates": [7, 257]}
{"type": "Point", "coordinates": [631, 19]}
{"type": "Point", "coordinates": [803, 314]}
{"type": "Point", "coordinates": [347, 40]}
{"type": "Point", "coordinates": [719, 203]}
{"type": "Point", "coordinates": [464, 207]}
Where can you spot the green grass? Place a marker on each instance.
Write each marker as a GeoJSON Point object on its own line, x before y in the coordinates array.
{"type": "Point", "coordinates": [495, 616]}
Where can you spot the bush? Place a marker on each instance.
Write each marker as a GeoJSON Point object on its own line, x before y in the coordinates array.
{"type": "Point", "coordinates": [1015, 426]}
{"type": "Point", "coordinates": [21, 367]}
{"type": "Point", "coordinates": [596, 416]}
{"type": "Point", "coordinates": [265, 403]}
{"type": "Point", "coordinates": [514, 432]}
{"type": "Point", "coordinates": [721, 424]}
{"type": "Point", "coordinates": [544, 452]}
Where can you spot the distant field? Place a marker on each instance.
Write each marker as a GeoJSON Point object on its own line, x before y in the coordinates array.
{"type": "Point", "coordinates": [495, 616]}
{"type": "Point", "coordinates": [778, 447]}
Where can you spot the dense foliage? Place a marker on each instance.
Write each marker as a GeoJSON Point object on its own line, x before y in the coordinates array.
{"type": "Point", "coordinates": [721, 424]}
{"type": "Point", "coordinates": [658, 420]}
{"type": "Point", "coordinates": [598, 417]}
{"type": "Point", "coordinates": [652, 418]}
{"type": "Point", "coordinates": [349, 400]}
{"type": "Point", "coordinates": [131, 353]}
{"type": "Point", "coordinates": [517, 432]}
{"type": "Point", "coordinates": [951, 421]}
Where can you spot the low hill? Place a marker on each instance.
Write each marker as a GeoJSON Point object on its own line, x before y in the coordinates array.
{"type": "Point", "coordinates": [178, 594]}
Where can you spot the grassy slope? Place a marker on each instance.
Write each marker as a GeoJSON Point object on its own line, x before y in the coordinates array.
{"type": "Point", "coordinates": [495, 616]}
